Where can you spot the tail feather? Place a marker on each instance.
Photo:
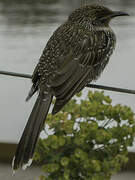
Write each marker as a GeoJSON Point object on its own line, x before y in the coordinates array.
{"type": "Point", "coordinates": [26, 146]}
{"type": "Point", "coordinates": [34, 88]}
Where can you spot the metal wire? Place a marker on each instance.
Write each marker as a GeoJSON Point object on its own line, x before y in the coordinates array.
{"type": "Point", "coordinates": [16, 74]}
{"type": "Point", "coordinates": [108, 88]}
{"type": "Point", "coordinates": [121, 90]}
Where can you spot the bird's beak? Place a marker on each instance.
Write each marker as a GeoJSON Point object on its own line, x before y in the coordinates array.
{"type": "Point", "coordinates": [119, 13]}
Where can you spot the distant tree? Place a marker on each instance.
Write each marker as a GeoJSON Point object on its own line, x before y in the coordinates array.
{"type": "Point", "coordinates": [90, 140]}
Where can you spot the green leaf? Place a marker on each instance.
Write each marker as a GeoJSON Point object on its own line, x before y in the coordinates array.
{"type": "Point", "coordinates": [49, 168]}
{"type": "Point", "coordinates": [64, 161]}
{"type": "Point", "coordinates": [62, 141]}
{"type": "Point", "coordinates": [67, 174]}
{"type": "Point", "coordinates": [90, 139]}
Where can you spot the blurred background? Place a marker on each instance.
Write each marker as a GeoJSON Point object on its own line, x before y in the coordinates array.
{"type": "Point", "coordinates": [26, 26]}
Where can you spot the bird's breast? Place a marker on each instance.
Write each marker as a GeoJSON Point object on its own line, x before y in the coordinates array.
{"type": "Point", "coordinates": [103, 46]}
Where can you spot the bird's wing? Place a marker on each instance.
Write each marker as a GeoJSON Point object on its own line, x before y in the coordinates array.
{"type": "Point", "coordinates": [77, 69]}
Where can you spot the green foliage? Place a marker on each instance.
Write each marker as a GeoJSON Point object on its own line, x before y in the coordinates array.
{"type": "Point", "coordinates": [90, 140]}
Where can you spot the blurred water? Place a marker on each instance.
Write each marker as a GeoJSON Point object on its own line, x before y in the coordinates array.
{"type": "Point", "coordinates": [25, 27]}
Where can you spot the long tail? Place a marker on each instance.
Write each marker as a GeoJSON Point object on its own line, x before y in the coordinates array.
{"type": "Point", "coordinates": [26, 146]}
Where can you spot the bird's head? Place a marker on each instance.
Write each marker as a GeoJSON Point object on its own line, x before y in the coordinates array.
{"type": "Point", "coordinates": [95, 14]}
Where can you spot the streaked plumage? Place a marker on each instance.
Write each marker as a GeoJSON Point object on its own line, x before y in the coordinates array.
{"type": "Point", "coordinates": [76, 54]}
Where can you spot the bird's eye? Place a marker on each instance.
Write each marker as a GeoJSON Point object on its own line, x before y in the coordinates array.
{"type": "Point", "coordinates": [98, 21]}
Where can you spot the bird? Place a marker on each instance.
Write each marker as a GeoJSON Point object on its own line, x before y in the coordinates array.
{"type": "Point", "coordinates": [76, 54]}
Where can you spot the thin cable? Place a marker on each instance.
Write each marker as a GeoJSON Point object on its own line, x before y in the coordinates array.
{"type": "Point", "coordinates": [108, 88]}
{"type": "Point", "coordinates": [16, 74]}
{"type": "Point", "coordinates": [121, 90]}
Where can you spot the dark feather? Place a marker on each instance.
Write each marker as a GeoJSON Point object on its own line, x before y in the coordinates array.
{"type": "Point", "coordinates": [26, 146]}
{"type": "Point", "coordinates": [34, 88]}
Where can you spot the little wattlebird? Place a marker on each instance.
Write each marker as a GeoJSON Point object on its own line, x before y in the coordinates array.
{"type": "Point", "coordinates": [75, 55]}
